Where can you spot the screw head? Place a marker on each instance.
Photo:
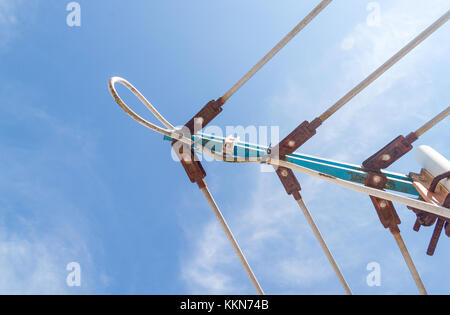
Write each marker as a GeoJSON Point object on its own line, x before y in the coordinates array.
{"type": "Point", "coordinates": [383, 204]}
{"type": "Point", "coordinates": [291, 143]}
{"type": "Point", "coordinates": [386, 157]}
{"type": "Point", "coordinates": [376, 179]}
{"type": "Point", "coordinates": [284, 173]}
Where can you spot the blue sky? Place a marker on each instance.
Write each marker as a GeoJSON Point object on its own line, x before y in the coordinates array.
{"type": "Point", "coordinates": [80, 181]}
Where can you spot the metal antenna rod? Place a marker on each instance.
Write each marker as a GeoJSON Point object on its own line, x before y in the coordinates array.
{"type": "Point", "coordinates": [324, 245]}
{"type": "Point", "coordinates": [410, 263]}
{"type": "Point", "coordinates": [433, 122]}
{"type": "Point", "coordinates": [275, 50]}
{"type": "Point", "coordinates": [231, 238]}
{"type": "Point", "coordinates": [388, 64]}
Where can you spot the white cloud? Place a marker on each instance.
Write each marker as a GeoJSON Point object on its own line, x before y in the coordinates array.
{"type": "Point", "coordinates": [32, 265]}
{"type": "Point", "coordinates": [403, 94]}
{"type": "Point", "coordinates": [12, 14]}
{"type": "Point", "coordinates": [7, 12]}
{"type": "Point", "coordinates": [8, 20]}
{"type": "Point", "coordinates": [41, 228]}
{"type": "Point", "coordinates": [348, 43]}
{"type": "Point", "coordinates": [202, 273]}
{"type": "Point", "coordinates": [269, 232]}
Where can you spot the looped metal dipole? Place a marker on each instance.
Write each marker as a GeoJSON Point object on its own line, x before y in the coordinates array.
{"type": "Point", "coordinates": [171, 131]}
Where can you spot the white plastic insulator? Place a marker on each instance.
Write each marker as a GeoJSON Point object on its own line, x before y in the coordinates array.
{"type": "Point", "coordinates": [434, 162]}
{"type": "Point", "coordinates": [228, 145]}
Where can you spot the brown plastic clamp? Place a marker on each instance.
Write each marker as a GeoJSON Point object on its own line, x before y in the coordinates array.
{"type": "Point", "coordinates": [289, 181]}
{"type": "Point", "coordinates": [376, 179]}
{"type": "Point", "coordinates": [385, 208]}
{"type": "Point", "coordinates": [429, 219]}
{"type": "Point", "coordinates": [440, 221]}
{"type": "Point", "coordinates": [288, 145]}
{"type": "Point", "coordinates": [390, 153]}
{"type": "Point", "coordinates": [297, 137]}
{"type": "Point", "coordinates": [185, 153]}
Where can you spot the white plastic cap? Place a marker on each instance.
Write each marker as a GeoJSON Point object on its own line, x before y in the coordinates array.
{"type": "Point", "coordinates": [434, 162]}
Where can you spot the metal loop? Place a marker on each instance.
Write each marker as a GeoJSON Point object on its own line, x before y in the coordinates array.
{"type": "Point", "coordinates": [170, 131]}
{"type": "Point", "coordinates": [437, 179]}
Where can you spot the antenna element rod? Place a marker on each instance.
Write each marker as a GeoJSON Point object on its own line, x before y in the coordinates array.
{"type": "Point", "coordinates": [388, 64]}
{"type": "Point", "coordinates": [275, 50]}
{"type": "Point", "coordinates": [324, 246]}
{"type": "Point", "coordinates": [231, 238]}
{"type": "Point", "coordinates": [410, 263]}
{"type": "Point", "coordinates": [433, 122]}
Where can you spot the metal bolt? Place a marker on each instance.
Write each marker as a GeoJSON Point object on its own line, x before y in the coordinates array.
{"type": "Point", "coordinates": [284, 173]}
{"type": "Point", "coordinates": [291, 143]}
{"type": "Point", "coordinates": [385, 157]}
{"type": "Point", "coordinates": [376, 179]}
{"type": "Point", "coordinates": [383, 204]}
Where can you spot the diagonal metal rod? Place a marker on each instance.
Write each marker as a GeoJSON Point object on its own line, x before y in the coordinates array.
{"type": "Point", "coordinates": [231, 238]}
{"type": "Point", "coordinates": [433, 122]}
{"type": "Point", "coordinates": [383, 68]}
{"type": "Point", "coordinates": [410, 263]}
{"type": "Point", "coordinates": [276, 49]}
{"type": "Point", "coordinates": [324, 245]}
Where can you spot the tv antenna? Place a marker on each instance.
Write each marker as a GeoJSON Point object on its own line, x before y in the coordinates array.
{"type": "Point", "coordinates": [428, 192]}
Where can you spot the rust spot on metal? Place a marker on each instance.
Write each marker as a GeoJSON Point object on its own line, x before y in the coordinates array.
{"type": "Point", "coordinates": [326, 175]}
{"type": "Point", "coordinates": [358, 178]}
{"type": "Point", "coordinates": [428, 219]}
{"type": "Point", "coordinates": [205, 115]}
{"type": "Point", "coordinates": [297, 137]}
{"type": "Point", "coordinates": [289, 181]}
{"type": "Point", "coordinates": [389, 154]}
{"type": "Point", "coordinates": [385, 208]}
